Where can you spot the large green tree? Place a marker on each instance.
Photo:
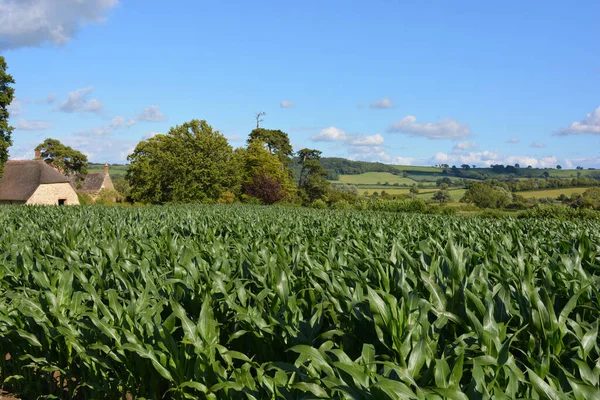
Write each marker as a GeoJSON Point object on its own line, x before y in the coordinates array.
{"type": "Point", "coordinates": [7, 94]}
{"type": "Point", "coordinates": [263, 177]}
{"type": "Point", "coordinates": [485, 195]}
{"type": "Point", "coordinates": [277, 143]}
{"type": "Point", "coordinates": [66, 159]}
{"type": "Point", "coordinates": [312, 183]}
{"type": "Point", "coordinates": [191, 163]}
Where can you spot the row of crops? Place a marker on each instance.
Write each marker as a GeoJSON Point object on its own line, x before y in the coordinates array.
{"type": "Point", "coordinates": [238, 302]}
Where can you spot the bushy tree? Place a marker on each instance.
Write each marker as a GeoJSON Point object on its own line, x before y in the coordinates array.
{"type": "Point", "coordinates": [191, 163]}
{"type": "Point", "coordinates": [67, 160]}
{"type": "Point", "coordinates": [6, 97]}
{"type": "Point", "coordinates": [263, 176]}
{"type": "Point", "coordinates": [276, 141]}
{"type": "Point", "coordinates": [414, 189]}
{"type": "Point", "coordinates": [312, 184]}
{"type": "Point", "coordinates": [485, 195]}
{"type": "Point", "coordinates": [442, 196]}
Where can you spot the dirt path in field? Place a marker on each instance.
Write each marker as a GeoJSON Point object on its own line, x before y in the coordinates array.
{"type": "Point", "coordinates": [7, 396]}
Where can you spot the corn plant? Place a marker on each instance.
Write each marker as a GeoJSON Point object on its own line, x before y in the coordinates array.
{"type": "Point", "coordinates": [239, 302]}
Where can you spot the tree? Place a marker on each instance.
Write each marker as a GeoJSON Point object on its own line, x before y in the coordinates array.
{"type": "Point", "coordinates": [7, 94]}
{"type": "Point", "coordinates": [465, 166]}
{"type": "Point", "coordinates": [579, 168]}
{"type": "Point", "coordinates": [442, 196]}
{"type": "Point", "coordinates": [414, 189]}
{"type": "Point", "coordinates": [484, 195]}
{"type": "Point", "coordinates": [277, 143]}
{"type": "Point", "coordinates": [517, 165]}
{"type": "Point", "coordinates": [312, 183]}
{"type": "Point", "coordinates": [546, 174]}
{"type": "Point", "coordinates": [191, 163]}
{"type": "Point", "coordinates": [264, 178]}
{"type": "Point", "coordinates": [68, 161]}
{"type": "Point", "coordinates": [558, 167]}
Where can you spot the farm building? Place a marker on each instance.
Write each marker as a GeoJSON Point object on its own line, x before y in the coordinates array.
{"type": "Point", "coordinates": [96, 181]}
{"type": "Point", "coordinates": [35, 182]}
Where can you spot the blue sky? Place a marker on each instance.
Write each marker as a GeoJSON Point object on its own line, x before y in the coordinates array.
{"type": "Point", "coordinates": [405, 82]}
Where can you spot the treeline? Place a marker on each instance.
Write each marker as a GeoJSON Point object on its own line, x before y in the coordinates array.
{"type": "Point", "coordinates": [340, 166]}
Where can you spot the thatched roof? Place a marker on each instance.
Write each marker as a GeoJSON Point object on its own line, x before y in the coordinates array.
{"type": "Point", "coordinates": [93, 181]}
{"type": "Point", "coordinates": [21, 178]}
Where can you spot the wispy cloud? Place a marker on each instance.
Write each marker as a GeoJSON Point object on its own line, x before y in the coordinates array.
{"type": "Point", "coordinates": [78, 101]}
{"type": "Point", "coordinates": [15, 108]}
{"type": "Point", "coordinates": [537, 145]}
{"type": "Point", "coordinates": [513, 140]}
{"type": "Point", "coordinates": [286, 104]}
{"type": "Point", "coordinates": [32, 125]}
{"type": "Point", "coordinates": [150, 114]}
{"type": "Point", "coordinates": [382, 104]}
{"type": "Point", "coordinates": [445, 129]}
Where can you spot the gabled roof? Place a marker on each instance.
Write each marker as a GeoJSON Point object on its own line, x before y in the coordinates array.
{"type": "Point", "coordinates": [93, 181]}
{"type": "Point", "coordinates": [21, 178]}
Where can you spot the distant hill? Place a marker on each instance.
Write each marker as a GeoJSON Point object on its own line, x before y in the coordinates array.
{"type": "Point", "coordinates": [376, 173]}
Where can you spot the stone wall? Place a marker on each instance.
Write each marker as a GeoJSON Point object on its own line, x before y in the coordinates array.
{"type": "Point", "coordinates": [49, 194]}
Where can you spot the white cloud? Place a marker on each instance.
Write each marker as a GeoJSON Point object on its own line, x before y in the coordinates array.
{"type": "Point", "coordinates": [48, 100]}
{"type": "Point", "coordinates": [32, 23]}
{"type": "Point", "coordinates": [15, 108]}
{"type": "Point", "coordinates": [537, 145]}
{"type": "Point", "coordinates": [286, 104]}
{"type": "Point", "coordinates": [33, 125]}
{"type": "Point", "coordinates": [374, 140]}
{"type": "Point", "coordinates": [445, 129]}
{"type": "Point", "coordinates": [117, 122]}
{"type": "Point", "coordinates": [462, 146]}
{"type": "Point", "coordinates": [94, 106]}
{"type": "Point", "coordinates": [404, 160]}
{"type": "Point", "coordinates": [513, 140]}
{"type": "Point", "coordinates": [101, 131]}
{"type": "Point", "coordinates": [590, 126]}
{"type": "Point", "coordinates": [486, 158]}
{"type": "Point", "coordinates": [360, 105]}
{"type": "Point", "coordinates": [150, 114]}
{"type": "Point", "coordinates": [589, 162]}
{"type": "Point", "coordinates": [382, 104]}
{"type": "Point", "coordinates": [330, 134]}
{"type": "Point", "coordinates": [77, 101]}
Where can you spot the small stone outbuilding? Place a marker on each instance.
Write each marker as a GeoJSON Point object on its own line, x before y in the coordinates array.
{"type": "Point", "coordinates": [96, 181]}
{"type": "Point", "coordinates": [35, 182]}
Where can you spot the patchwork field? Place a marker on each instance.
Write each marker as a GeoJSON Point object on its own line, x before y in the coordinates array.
{"type": "Point", "coordinates": [241, 302]}
{"type": "Point", "coordinates": [372, 178]}
{"type": "Point", "coordinates": [552, 193]}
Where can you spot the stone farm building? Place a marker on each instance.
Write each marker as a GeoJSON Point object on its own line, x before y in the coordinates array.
{"type": "Point", "coordinates": [96, 181]}
{"type": "Point", "coordinates": [35, 182]}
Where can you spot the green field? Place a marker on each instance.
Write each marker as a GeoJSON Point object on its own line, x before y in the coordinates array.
{"type": "Point", "coordinates": [113, 170]}
{"type": "Point", "coordinates": [425, 194]}
{"type": "Point", "coordinates": [372, 178]}
{"type": "Point", "coordinates": [552, 193]}
{"type": "Point", "coordinates": [242, 302]}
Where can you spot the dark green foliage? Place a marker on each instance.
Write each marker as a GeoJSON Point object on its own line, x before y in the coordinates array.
{"type": "Point", "coordinates": [191, 163]}
{"type": "Point", "coordinates": [442, 196]}
{"type": "Point", "coordinates": [276, 141]}
{"type": "Point", "coordinates": [486, 195]}
{"type": "Point", "coordinates": [6, 97]}
{"type": "Point", "coordinates": [67, 160]}
{"type": "Point", "coordinates": [312, 183]}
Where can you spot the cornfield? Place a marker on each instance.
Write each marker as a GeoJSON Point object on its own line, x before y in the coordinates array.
{"type": "Point", "coordinates": [240, 302]}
